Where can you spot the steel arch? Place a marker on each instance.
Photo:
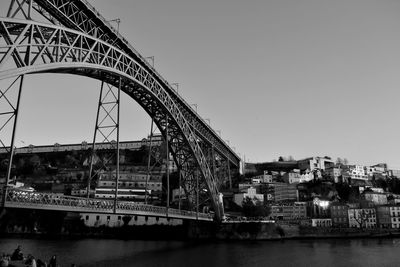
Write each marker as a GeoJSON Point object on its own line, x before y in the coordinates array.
{"type": "Point", "coordinates": [80, 15]}
{"type": "Point", "coordinates": [38, 48]}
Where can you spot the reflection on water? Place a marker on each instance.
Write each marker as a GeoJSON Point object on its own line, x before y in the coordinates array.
{"type": "Point", "coordinates": [106, 252]}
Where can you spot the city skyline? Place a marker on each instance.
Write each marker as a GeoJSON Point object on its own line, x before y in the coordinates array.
{"type": "Point", "coordinates": [276, 78]}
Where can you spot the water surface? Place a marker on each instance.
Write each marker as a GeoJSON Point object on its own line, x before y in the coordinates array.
{"type": "Point", "coordinates": [109, 252]}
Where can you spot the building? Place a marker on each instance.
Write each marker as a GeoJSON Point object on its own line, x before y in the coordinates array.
{"type": "Point", "coordinates": [319, 208]}
{"type": "Point", "coordinates": [244, 186]}
{"type": "Point", "coordinates": [248, 193]}
{"type": "Point", "coordinates": [306, 176]}
{"type": "Point", "coordinates": [131, 186]}
{"type": "Point", "coordinates": [292, 177]}
{"type": "Point", "coordinates": [339, 214]}
{"type": "Point", "coordinates": [376, 198]}
{"type": "Point", "coordinates": [394, 173]}
{"type": "Point", "coordinates": [357, 172]}
{"type": "Point", "coordinates": [395, 216]}
{"type": "Point", "coordinates": [132, 145]}
{"type": "Point", "coordinates": [317, 222]}
{"type": "Point", "coordinates": [267, 178]}
{"type": "Point", "coordinates": [289, 211]}
{"type": "Point", "coordinates": [384, 220]}
{"type": "Point", "coordinates": [313, 163]}
{"type": "Point", "coordinates": [362, 218]}
{"type": "Point", "coordinates": [283, 192]}
{"type": "Point", "coordinates": [264, 178]}
{"type": "Point", "coordinates": [334, 173]}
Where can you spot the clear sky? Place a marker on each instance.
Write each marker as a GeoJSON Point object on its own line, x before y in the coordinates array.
{"type": "Point", "coordinates": [276, 77]}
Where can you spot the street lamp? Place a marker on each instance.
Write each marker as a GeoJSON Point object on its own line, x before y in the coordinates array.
{"type": "Point", "coordinates": [195, 105]}
{"type": "Point", "coordinates": [118, 21]}
{"type": "Point", "coordinates": [152, 60]}
{"type": "Point", "coordinates": [177, 87]}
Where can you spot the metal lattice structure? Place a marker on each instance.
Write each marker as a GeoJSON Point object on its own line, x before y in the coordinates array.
{"type": "Point", "coordinates": [78, 40]}
{"type": "Point", "coordinates": [48, 201]}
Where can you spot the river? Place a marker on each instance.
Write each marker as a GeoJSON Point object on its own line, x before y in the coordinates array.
{"type": "Point", "coordinates": [110, 252]}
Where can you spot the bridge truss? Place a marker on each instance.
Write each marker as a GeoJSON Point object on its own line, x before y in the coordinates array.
{"type": "Point", "coordinates": [76, 39]}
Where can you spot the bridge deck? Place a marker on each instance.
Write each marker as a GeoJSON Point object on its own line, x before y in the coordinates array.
{"type": "Point", "coordinates": [49, 201]}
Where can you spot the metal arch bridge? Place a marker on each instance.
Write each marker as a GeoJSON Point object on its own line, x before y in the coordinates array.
{"type": "Point", "coordinates": [78, 40]}
{"type": "Point", "coordinates": [48, 201]}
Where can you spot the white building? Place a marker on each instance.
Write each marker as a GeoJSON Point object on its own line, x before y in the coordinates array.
{"type": "Point", "coordinates": [395, 216]}
{"type": "Point", "coordinates": [306, 176]}
{"type": "Point", "coordinates": [358, 172]}
{"type": "Point", "coordinates": [292, 177]}
{"type": "Point", "coordinates": [250, 193]}
{"type": "Point", "coordinates": [321, 222]}
{"type": "Point", "coordinates": [264, 178]}
{"type": "Point", "coordinates": [267, 178]}
{"type": "Point", "coordinates": [315, 163]}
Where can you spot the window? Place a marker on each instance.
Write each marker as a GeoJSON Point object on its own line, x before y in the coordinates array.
{"type": "Point", "coordinates": [97, 217]}
{"type": "Point", "coordinates": [119, 218]}
{"type": "Point", "coordinates": [108, 218]}
{"type": "Point", "coordinates": [135, 218]}
{"type": "Point", "coordinates": [87, 217]}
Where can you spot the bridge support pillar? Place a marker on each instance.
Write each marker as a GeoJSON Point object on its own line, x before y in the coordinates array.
{"type": "Point", "coordinates": [229, 173]}
{"type": "Point", "coordinates": [7, 116]}
{"type": "Point", "coordinates": [167, 162]}
{"type": "Point", "coordinates": [107, 127]}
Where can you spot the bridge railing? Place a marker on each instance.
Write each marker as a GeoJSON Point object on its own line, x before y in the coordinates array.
{"type": "Point", "coordinates": [101, 205]}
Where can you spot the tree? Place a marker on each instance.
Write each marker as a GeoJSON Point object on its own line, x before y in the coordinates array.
{"type": "Point", "coordinates": [281, 159]}
{"type": "Point", "coordinates": [361, 216]}
{"type": "Point", "coordinates": [254, 210]}
{"type": "Point", "coordinates": [343, 190]}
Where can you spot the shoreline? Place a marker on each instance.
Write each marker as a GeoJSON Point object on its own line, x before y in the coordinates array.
{"type": "Point", "coordinates": [204, 239]}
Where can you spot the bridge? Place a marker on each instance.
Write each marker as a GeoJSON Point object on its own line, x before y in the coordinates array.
{"type": "Point", "coordinates": [48, 201]}
{"type": "Point", "coordinates": [70, 36]}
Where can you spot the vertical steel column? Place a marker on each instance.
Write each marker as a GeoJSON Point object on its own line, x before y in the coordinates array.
{"type": "Point", "coordinates": [94, 141]}
{"type": "Point", "coordinates": [148, 160]}
{"type": "Point", "coordinates": [229, 173]}
{"type": "Point", "coordinates": [30, 9]}
{"type": "Point", "coordinates": [214, 169]}
{"type": "Point", "coordinates": [166, 139]}
{"type": "Point", "coordinates": [13, 138]}
{"type": "Point", "coordinates": [117, 171]}
{"type": "Point", "coordinates": [197, 195]}
{"type": "Point", "coordinates": [180, 186]}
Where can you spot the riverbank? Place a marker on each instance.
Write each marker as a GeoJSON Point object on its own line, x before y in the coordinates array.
{"type": "Point", "coordinates": [61, 225]}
